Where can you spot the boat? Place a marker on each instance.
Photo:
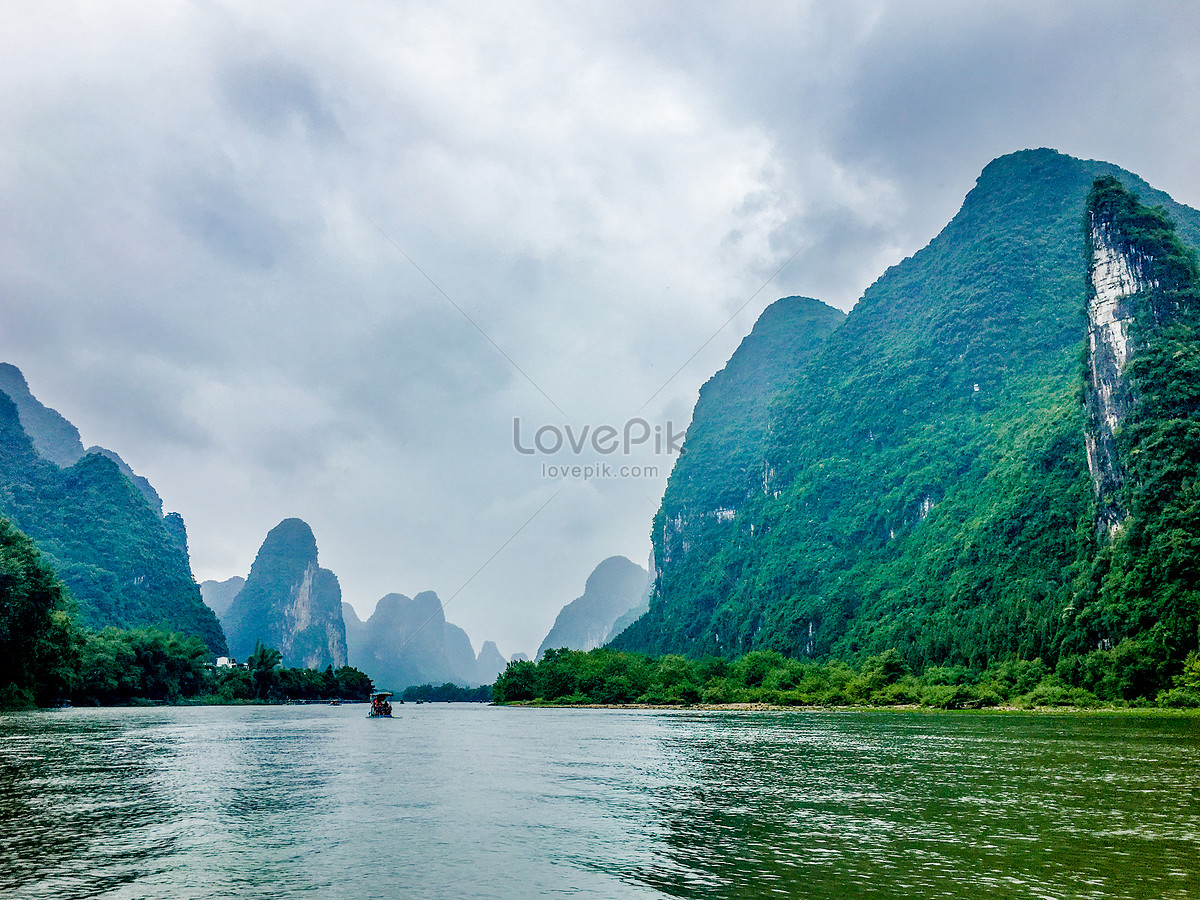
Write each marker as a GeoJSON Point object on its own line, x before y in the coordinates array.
{"type": "Point", "coordinates": [380, 707]}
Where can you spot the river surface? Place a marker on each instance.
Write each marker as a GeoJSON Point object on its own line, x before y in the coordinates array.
{"type": "Point", "coordinates": [466, 801]}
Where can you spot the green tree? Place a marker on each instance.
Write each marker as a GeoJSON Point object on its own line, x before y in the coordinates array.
{"type": "Point", "coordinates": [38, 642]}
{"type": "Point", "coordinates": [262, 664]}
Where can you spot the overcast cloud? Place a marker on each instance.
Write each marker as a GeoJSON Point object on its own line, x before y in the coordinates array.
{"type": "Point", "coordinates": [313, 259]}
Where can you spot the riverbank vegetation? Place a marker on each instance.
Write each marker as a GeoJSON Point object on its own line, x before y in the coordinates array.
{"type": "Point", "coordinates": [1123, 676]}
{"type": "Point", "coordinates": [446, 693]}
{"type": "Point", "coordinates": [146, 665]}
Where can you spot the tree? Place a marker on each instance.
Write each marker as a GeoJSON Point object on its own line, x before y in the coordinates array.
{"type": "Point", "coordinates": [262, 663]}
{"type": "Point", "coordinates": [38, 641]}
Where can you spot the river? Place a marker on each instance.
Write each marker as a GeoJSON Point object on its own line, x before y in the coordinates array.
{"type": "Point", "coordinates": [471, 801]}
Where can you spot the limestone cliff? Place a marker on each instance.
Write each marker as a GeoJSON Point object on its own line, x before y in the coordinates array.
{"type": "Point", "coordinates": [289, 602]}
{"type": "Point", "coordinates": [1115, 275]}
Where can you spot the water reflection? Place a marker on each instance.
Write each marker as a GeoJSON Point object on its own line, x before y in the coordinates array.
{"type": "Point", "coordinates": [900, 805]}
{"type": "Point", "coordinates": [71, 796]}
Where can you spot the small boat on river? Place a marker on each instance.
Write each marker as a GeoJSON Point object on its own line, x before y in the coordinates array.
{"type": "Point", "coordinates": [380, 707]}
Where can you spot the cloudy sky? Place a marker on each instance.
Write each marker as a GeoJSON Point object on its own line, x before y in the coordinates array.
{"type": "Point", "coordinates": [314, 259]}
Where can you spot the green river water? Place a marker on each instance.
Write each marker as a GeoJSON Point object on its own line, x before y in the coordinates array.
{"type": "Point", "coordinates": [470, 801]}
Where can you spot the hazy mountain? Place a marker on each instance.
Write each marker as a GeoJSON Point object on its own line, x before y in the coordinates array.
{"type": "Point", "coordinates": [630, 616]}
{"type": "Point", "coordinates": [125, 564]}
{"type": "Point", "coordinates": [614, 588]}
{"type": "Point", "coordinates": [218, 595]}
{"type": "Point", "coordinates": [289, 602]}
{"type": "Point", "coordinates": [53, 436]}
{"type": "Point", "coordinates": [927, 473]}
{"type": "Point", "coordinates": [489, 663]}
{"type": "Point", "coordinates": [407, 641]}
{"type": "Point", "coordinates": [145, 488]}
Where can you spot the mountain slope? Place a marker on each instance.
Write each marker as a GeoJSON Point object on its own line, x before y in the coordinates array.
{"type": "Point", "coordinates": [927, 484]}
{"type": "Point", "coordinates": [125, 564]}
{"type": "Point", "coordinates": [289, 602]}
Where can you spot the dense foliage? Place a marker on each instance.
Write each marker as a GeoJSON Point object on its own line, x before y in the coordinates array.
{"type": "Point", "coordinates": [125, 565]}
{"type": "Point", "coordinates": [925, 481]}
{"type": "Point", "coordinates": [37, 648]}
{"type": "Point", "coordinates": [447, 693]}
{"type": "Point", "coordinates": [146, 665]}
{"type": "Point", "coordinates": [606, 676]}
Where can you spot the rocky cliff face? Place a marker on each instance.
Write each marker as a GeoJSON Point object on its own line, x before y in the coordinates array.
{"type": "Point", "coordinates": [289, 602]}
{"type": "Point", "coordinates": [1116, 275]}
{"type": "Point", "coordinates": [615, 587]}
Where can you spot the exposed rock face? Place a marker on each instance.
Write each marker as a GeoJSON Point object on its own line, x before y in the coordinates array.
{"type": "Point", "coordinates": [219, 595]}
{"type": "Point", "coordinates": [615, 587]}
{"type": "Point", "coordinates": [407, 641]}
{"type": "Point", "coordinates": [289, 603]}
{"type": "Point", "coordinates": [1116, 275]}
{"type": "Point", "coordinates": [925, 468]}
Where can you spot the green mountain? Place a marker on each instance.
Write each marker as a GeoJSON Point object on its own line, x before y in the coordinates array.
{"type": "Point", "coordinates": [125, 564]}
{"type": "Point", "coordinates": [925, 481]}
{"type": "Point", "coordinates": [615, 587]}
{"type": "Point", "coordinates": [289, 603]}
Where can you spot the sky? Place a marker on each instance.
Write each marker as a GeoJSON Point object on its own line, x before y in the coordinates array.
{"type": "Point", "coordinates": [362, 264]}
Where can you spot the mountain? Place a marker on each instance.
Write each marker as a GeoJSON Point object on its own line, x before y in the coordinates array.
{"type": "Point", "coordinates": [52, 435]}
{"type": "Point", "coordinates": [289, 602]}
{"type": "Point", "coordinates": [219, 595]}
{"type": "Point", "coordinates": [614, 588]}
{"type": "Point", "coordinates": [124, 563]}
{"type": "Point", "coordinates": [407, 641]}
{"type": "Point", "coordinates": [642, 607]}
{"type": "Point", "coordinates": [925, 472]}
{"type": "Point", "coordinates": [489, 663]}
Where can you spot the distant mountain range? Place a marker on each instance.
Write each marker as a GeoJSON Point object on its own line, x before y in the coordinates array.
{"type": "Point", "coordinates": [290, 603]}
{"type": "Point", "coordinates": [408, 641]}
{"type": "Point", "coordinates": [98, 524]}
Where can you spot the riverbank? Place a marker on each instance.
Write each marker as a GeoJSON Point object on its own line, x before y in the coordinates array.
{"type": "Point", "coordinates": [1153, 711]}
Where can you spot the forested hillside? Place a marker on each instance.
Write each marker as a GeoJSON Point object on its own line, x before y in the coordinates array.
{"type": "Point", "coordinates": [926, 483]}
{"type": "Point", "coordinates": [125, 565]}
